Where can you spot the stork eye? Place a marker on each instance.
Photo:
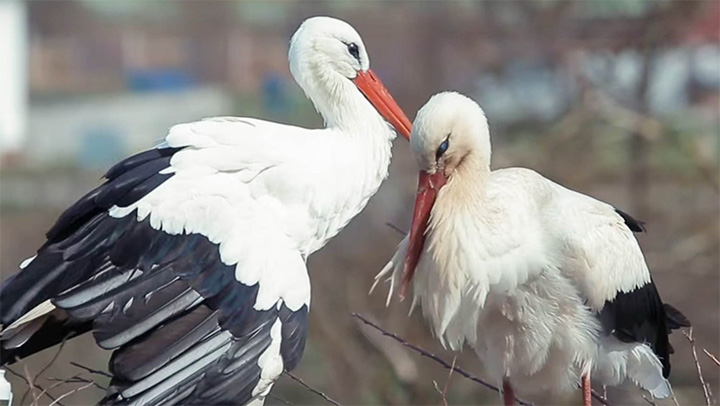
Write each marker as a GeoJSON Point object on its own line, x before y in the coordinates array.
{"type": "Point", "coordinates": [354, 50]}
{"type": "Point", "coordinates": [442, 148]}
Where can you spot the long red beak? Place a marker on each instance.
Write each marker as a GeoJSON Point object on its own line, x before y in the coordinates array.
{"type": "Point", "coordinates": [375, 91]}
{"type": "Point", "coordinates": [428, 187]}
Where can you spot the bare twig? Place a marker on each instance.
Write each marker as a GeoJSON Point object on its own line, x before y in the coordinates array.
{"type": "Point", "coordinates": [52, 361]}
{"type": "Point", "coordinates": [652, 402]}
{"type": "Point", "coordinates": [311, 389]}
{"type": "Point", "coordinates": [73, 379]}
{"type": "Point", "coordinates": [31, 387]}
{"type": "Point", "coordinates": [396, 228]}
{"type": "Point", "coordinates": [92, 371]}
{"type": "Point", "coordinates": [31, 381]}
{"type": "Point", "coordinates": [442, 362]}
{"type": "Point", "coordinates": [278, 398]}
{"type": "Point", "coordinates": [447, 382]}
{"type": "Point", "coordinates": [433, 357]}
{"type": "Point", "coordinates": [442, 395]}
{"type": "Point", "coordinates": [674, 398]}
{"type": "Point", "coordinates": [77, 379]}
{"type": "Point", "coordinates": [28, 383]}
{"type": "Point", "coordinates": [712, 357]}
{"type": "Point", "coordinates": [689, 335]}
{"type": "Point", "coordinates": [443, 392]}
{"type": "Point", "coordinates": [64, 395]}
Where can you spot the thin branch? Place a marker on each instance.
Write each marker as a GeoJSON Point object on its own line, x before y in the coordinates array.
{"type": "Point", "coordinates": [442, 395]}
{"type": "Point", "coordinates": [73, 379]}
{"type": "Point", "coordinates": [674, 398]}
{"type": "Point", "coordinates": [52, 361]}
{"type": "Point", "coordinates": [311, 389]}
{"type": "Point", "coordinates": [28, 383]}
{"type": "Point", "coordinates": [433, 357]}
{"type": "Point", "coordinates": [31, 387]}
{"type": "Point", "coordinates": [31, 382]}
{"type": "Point", "coordinates": [278, 398]}
{"type": "Point", "coordinates": [64, 395]}
{"type": "Point", "coordinates": [443, 392]}
{"type": "Point", "coordinates": [706, 392]}
{"type": "Point", "coordinates": [712, 357]}
{"type": "Point", "coordinates": [447, 382]}
{"type": "Point", "coordinates": [652, 402]}
{"type": "Point", "coordinates": [396, 228]}
{"type": "Point", "coordinates": [92, 371]}
{"type": "Point", "coordinates": [77, 379]}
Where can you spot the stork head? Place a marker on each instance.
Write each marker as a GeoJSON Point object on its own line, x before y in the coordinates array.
{"type": "Point", "coordinates": [327, 53]}
{"type": "Point", "coordinates": [450, 131]}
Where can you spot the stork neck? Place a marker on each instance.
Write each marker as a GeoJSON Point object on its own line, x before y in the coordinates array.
{"type": "Point", "coordinates": [344, 108]}
{"type": "Point", "coordinates": [470, 179]}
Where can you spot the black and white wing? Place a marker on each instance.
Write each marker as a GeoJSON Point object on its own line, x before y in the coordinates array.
{"type": "Point", "coordinates": [176, 264]}
{"type": "Point", "coordinates": [610, 270]}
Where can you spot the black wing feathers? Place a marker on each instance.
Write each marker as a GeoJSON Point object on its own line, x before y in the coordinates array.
{"type": "Point", "coordinates": [131, 173]}
{"type": "Point", "coordinates": [53, 331]}
{"type": "Point", "coordinates": [675, 319]}
{"type": "Point", "coordinates": [80, 232]}
{"type": "Point", "coordinates": [182, 327]}
{"type": "Point", "coordinates": [633, 224]}
{"type": "Point", "coordinates": [640, 315]}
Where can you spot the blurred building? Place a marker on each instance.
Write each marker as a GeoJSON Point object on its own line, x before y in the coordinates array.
{"type": "Point", "coordinates": [13, 76]}
{"type": "Point", "coordinates": [524, 62]}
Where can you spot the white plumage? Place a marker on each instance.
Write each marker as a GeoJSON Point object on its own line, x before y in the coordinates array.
{"type": "Point", "coordinates": [539, 280]}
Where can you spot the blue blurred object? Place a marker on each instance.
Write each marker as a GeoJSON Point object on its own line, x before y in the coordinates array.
{"type": "Point", "coordinates": [147, 80]}
{"type": "Point", "coordinates": [100, 148]}
{"type": "Point", "coordinates": [275, 97]}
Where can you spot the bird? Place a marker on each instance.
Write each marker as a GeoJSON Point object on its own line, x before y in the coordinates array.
{"type": "Point", "coordinates": [189, 261]}
{"type": "Point", "coordinates": [548, 286]}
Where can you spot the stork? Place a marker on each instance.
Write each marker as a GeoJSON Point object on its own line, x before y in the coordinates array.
{"type": "Point", "coordinates": [189, 262]}
{"type": "Point", "coordinates": [547, 285]}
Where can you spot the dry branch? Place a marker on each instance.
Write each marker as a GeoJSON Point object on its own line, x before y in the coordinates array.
{"type": "Point", "coordinates": [311, 389]}
{"type": "Point", "coordinates": [712, 357]}
{"type": "Point", "coordinates": [90, 370]}
{"type": "Point", "coordinates": [651, 402]}
{"type": "Point", "coordinates": [706, 389]}
{"type": "Point", "coordinates": [64, 395]}
{"type": "Point", "coordinates": [443, 392]}
{"type": "Point", "coordinates": [28, 383]}
{"type": "Point", "coordinates": [433, 357]}
{"type": "Point", "coordinates": [442, 362]}
{"type": "Point", "coordinates": [279, 399]}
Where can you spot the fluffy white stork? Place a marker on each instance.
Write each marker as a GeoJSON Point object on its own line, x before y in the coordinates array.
{"type": "Point", "coordinates": [189, 262]}
{"type": "Point", "coordinates": [547, 285]}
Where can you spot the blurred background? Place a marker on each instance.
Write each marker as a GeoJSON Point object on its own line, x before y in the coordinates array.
{"type": "Point", "coordinates": [617, 99]}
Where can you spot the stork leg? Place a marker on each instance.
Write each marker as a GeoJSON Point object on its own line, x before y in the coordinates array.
{"type": "Point", "coordinates": [587, 390]}
{"type": "Point", "coordinates": [508, 393]}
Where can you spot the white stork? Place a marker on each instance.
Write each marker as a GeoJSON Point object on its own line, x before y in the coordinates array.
{"type": "Point", "coordinates": [189, 262]}
{"type": "Point", "coordinates": [547, 285]}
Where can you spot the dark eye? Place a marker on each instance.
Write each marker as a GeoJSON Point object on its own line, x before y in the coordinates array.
{"type": "Point", "coordinates": [354, 50]}
{"type": "Point", "coordinates": [442, 148]}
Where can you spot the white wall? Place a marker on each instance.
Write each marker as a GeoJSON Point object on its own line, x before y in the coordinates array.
{"type": "Point", "coordinates": [13, 75]}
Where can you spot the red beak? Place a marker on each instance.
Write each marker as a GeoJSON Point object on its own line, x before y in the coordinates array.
{"type": "Point", "coordinates": [380, 98]}
{"type": "Point", "coordinates": [428, 187]}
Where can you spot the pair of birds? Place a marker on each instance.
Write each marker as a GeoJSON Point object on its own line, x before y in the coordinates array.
{"type": "Point", "coordinates": [189, 261]}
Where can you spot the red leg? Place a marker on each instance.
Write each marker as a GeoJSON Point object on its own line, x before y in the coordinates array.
{"type": "Point", "coordinates": [508, 393]}
{"type": "Point", "coordinates": [587, 390]}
